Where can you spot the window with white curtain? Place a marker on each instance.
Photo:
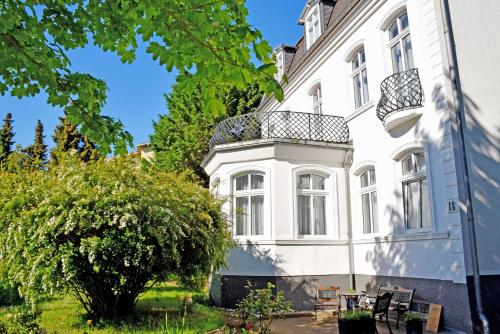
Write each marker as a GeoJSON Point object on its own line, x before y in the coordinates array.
{"type": "Point", "coordinates": [311, 204]}
{"type": "Point", "coordinates": [316, 99]}
{"type": "Point", "coordinates": [313, 27]}
{"type": "Point", "coordinates": [248, 192]}
{"type": "Point", "coordinates": [415, 191]}
{"type": "Point", "coordinates": [360, 79]}
{"type": "Point", "coordinates": [368, 194]}
{"type": "Point", "coordinates": [400, 44]}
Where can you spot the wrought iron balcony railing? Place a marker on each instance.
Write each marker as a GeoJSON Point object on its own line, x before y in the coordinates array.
{"type": "Point", "coordinates": [281, 124]}
{"type": "Point", "coordinates": [400, 91]}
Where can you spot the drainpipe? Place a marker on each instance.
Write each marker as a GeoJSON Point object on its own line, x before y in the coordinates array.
{"type": "Point", "coordinates": [347, 167]}
{"type": "Point", "coordinates": [460, 119]}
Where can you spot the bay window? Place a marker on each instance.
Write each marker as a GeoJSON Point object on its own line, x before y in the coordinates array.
{"type": "Point", "coordinates": [248, 192]}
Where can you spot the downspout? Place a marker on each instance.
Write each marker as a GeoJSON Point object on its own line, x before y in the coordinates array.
{"type": "Point", "coordinates": [347, 168]}
{"type": "Point", "coordinates": [460, 119]}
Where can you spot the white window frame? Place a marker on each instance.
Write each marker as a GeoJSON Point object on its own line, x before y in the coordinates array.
{"type": "Point", "coordinates": [312, 26]}
{"type": "Point", "coordinates": [413, 177]}
{"type": "Point", "coordinates": [358, 72]}
{"type": "Point", "coordinates": [317, 106]}
{"type": "Point", "coordinates": [331, 211]}
{"type": "Point", "coordinates": [398, 39]}
{"type": "Point", "coordinates": [280, 64]}
{"type": "Point", "coordinates": [370, 189]}
{"type": "Point", "coordinates": [248, 194]}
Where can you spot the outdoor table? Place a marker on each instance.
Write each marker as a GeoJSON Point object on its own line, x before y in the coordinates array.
{"type": "Point", "coordinates": [350, 299]}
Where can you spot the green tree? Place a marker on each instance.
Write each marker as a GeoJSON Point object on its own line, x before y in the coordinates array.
{"type": "Point", "coordinates": [105, 231]}
{"type": "Point", "coordinates": [68, 138]}
{"type": "Point", "coordinates": [209, 42]}
{"type": "Point", "coordinates": [6, 140]}
{"type": "Point", "coordinates": [181, 137]}
{"type": "Point", "coordinates": [37, 152]}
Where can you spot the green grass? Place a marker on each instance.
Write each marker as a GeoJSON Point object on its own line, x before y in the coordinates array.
{"type": "Point", "coordinates": [158, 311]}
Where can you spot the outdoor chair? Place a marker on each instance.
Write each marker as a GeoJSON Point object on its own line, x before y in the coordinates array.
{"type": "Point", "coordinates": [381, 308]}
{"type": "Point", "coordinates": [326, 296]}
{"type": "Point", "coordinates": [401, 300]}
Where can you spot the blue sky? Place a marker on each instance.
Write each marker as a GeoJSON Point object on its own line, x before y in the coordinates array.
{"type": "Point", "coordinates": [136, 91]}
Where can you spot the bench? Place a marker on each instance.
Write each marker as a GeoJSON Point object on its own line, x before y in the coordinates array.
{"type": "Point", "coordinates": [401, 299]}
{"type": "Point", "coordinates": [326, 296]}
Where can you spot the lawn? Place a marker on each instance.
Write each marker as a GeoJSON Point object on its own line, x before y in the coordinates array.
{"type": "Point", "coordinates": [159, 310]}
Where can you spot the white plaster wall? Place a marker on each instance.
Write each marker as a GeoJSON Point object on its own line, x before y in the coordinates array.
{"type": "Point", "coordinates": [437, 254]}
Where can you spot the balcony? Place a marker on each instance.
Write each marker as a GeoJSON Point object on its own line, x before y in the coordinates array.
{"type": "Point", "coordinates": [281, 125]}
{"type": "Point", "coordinates": [401, 94]}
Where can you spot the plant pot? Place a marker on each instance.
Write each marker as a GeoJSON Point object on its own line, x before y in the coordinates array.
{"type": "Point", "coordinates": [362, 326]}
{"type": "Point", "coordinates": [414, 327]}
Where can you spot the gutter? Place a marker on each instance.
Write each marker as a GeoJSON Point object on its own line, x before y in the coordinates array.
{"type": "Point", "coordinates": [459, 110]}
{"type": "Point", "coordinates": [350, 249]}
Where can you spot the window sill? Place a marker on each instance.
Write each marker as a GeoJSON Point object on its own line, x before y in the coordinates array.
{"type": "Point", "coordinates": [403, 237]}
{"type": "Point", "coordinates": [359, 111]}
{"type": "Point", "coordinates": [295, 242]}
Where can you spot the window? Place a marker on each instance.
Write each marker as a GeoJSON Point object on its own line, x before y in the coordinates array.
{"type": "Point", "coordinates": [311, 202]}
{"type": "Point", "coordinates": [313, 27]}
{"type": "Point", "coordinates": [280, 64]}
{"type": "Point", "coordinates": [248, 191]}
{"type": "Point", "coordinates": [215, 187]}
{"type": "Point", "coordinates": [400, 44]}
{"type": "Point", "coordinates": [360, 79]}
{"type": "Point", "coordinates": [415, 191]}
{"type": "Point", "coordinates": [316, 97]}
{"type": "Point", "coordinates": [369, 201]}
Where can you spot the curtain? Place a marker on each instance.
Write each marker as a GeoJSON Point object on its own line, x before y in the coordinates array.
{"type": "Point", "coordinates": [365, 202]}
{"type": "Point", "coordinates": [319, 215]}
{"type": "Point", "coordinates": [304, 215]}
{"type": "Point", "coordinates": [257, 208]}
{"type": "Point", "coordinates": [241, 215]}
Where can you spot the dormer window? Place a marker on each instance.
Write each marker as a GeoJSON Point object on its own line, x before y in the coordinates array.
{"type": "Point", "coordinates": [313, 26]}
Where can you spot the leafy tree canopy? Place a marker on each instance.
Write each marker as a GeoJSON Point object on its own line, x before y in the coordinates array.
{"type": "Point", "coordinates": [181, 138]}
{"type": "Point", "coordinates": [105, 231]}
{"type": "Point", "coordinates": [209, 42]}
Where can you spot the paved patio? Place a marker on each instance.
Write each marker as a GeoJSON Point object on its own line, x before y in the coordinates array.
{"type": "Point", "coordinates": [327, 323]}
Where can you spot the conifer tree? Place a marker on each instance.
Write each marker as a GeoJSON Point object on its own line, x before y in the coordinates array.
{"type": "Point", "coordinates": [68, 138]}
{"type": "Point", "coordinates": [37, 152]}
{"type": "Point", "coordinates": [88, 150]}
{"type": "Point", "coordinates": [6, 140]}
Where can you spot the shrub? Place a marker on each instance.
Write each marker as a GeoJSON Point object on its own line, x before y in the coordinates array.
{"type": "Point", "coordinates": [106, 231]}
{"type": "Point", "coordinates": [356, 315]}
{"type": "Point", "coordinates": [259, 308]}
{"type": "Point", "coordinates": [9, 295]}
{"type": "Point", "coordinates": [409, 317]}
{"type": "Point", "coordinates": [21, 320]}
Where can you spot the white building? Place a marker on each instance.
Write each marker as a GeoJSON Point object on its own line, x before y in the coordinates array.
{"type": "Point", "coordinates": [352, 179]}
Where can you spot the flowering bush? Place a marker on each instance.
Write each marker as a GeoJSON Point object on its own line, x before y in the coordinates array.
{"type": "Point", "coordinates": [259, 308]}
{"type": "Point", "coordinates": [106, 231]}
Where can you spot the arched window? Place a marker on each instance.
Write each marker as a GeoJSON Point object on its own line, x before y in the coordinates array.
{"type": "Point", "coordinates": [360, 79]}
{"type": "Point", "coordinates": [415, 191]}
{"type": "Point", "coordinates": [248, 193]}
{"type": "Point", "coordinates": [311, 204]}
{"type": "Point", "coordinates": [215, 187]}
{"type": "Point", "coordinates": [400, 44]}
{"type": "Point", "coordinates": [368, 194]}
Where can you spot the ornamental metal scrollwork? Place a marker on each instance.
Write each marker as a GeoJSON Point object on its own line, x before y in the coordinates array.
{"type": "Point", "coordinates": [400, 91]}
{"type": "Point", "coordinates": [281, 125]}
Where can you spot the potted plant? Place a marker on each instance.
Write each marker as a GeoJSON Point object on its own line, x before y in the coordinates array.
{"type": "Point", "coordinates": [357, 322]}
{"type": "Point", "coordinates": [413, 323]}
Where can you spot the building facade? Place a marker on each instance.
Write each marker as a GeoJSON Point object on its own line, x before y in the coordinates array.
{"type": "Point", "coordinates": [354, 179]}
